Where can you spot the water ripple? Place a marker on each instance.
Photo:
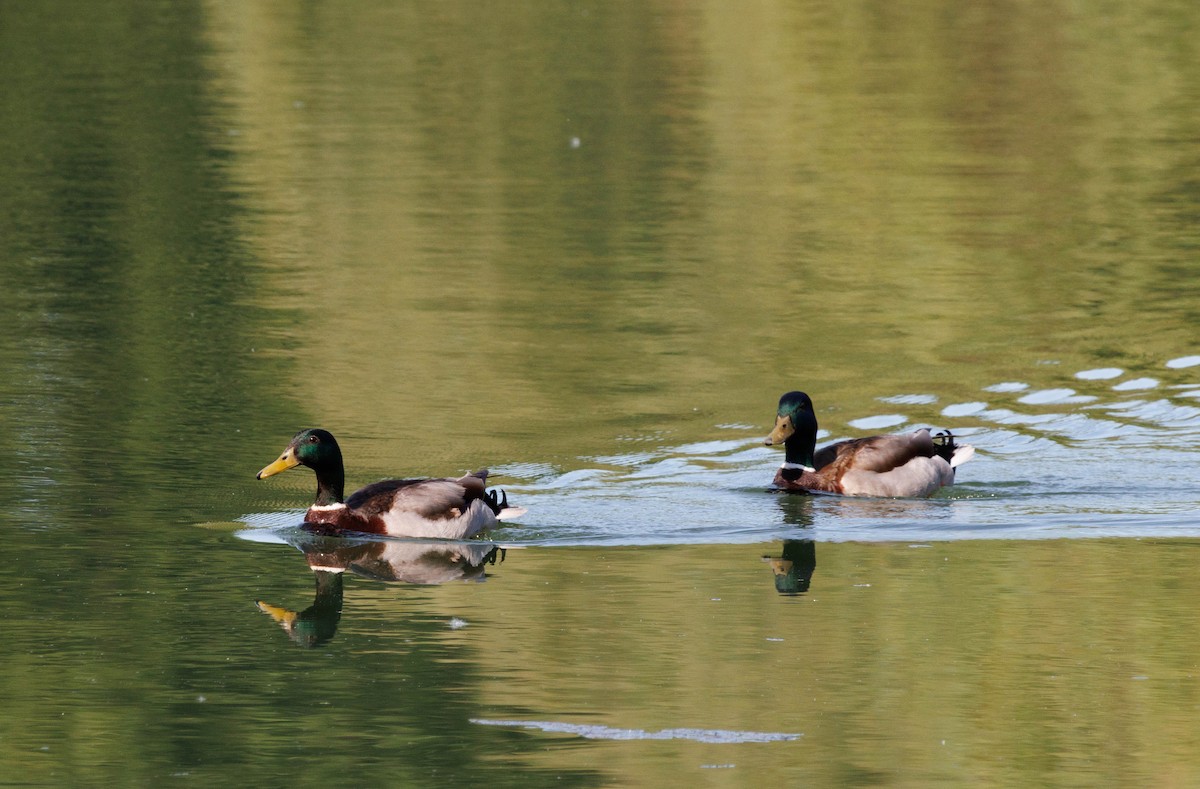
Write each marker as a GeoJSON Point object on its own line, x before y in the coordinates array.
{"type": "Point", "coordinates": [909, 399]}
{"type": "Point", "coordinates": [1050, 463]}
{"type": "Point", "coordinates": [878, 422]}
{"type": "Point", "coordinates": [1100, 374]}
{"type": "Point", "coordinates": [1055, 396]}
{"type": "Point", "coordinates": [963, 409]}
{"type": "Point", "coordinates": [1136, 383]}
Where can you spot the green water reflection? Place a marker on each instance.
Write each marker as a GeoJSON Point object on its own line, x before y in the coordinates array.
{"type": "Point", "coordinates": [535, 235]}
{"type": "Point", "coordinates": [131, 323]}
{"type": "Point", "coordinates": [904, 664]}
{"type": "Point", "coordinates": [928, 200]}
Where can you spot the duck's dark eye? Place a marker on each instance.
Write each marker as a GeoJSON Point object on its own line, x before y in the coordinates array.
{"type": "Point", "coordinates": [313, 439]}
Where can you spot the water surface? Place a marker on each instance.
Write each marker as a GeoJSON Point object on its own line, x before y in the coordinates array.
{"type": "Point", "coordinates": [588, 246]}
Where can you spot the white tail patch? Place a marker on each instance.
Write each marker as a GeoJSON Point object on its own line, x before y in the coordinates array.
{"type": "Point", "coordinates": [962, 453]}
{"type": "Point", "coordinates": [508, 513]}
{"type": "Point", "coordinates": [326, 569]}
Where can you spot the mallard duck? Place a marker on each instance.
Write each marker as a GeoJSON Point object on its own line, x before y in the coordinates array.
{"type": "Point", "coordinates": [452, 509]}
{"type": "Point", "coordinates": [904, 465]}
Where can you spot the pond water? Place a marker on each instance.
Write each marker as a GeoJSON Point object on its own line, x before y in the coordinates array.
{"type": "Point", "coordinates": [588, 246]}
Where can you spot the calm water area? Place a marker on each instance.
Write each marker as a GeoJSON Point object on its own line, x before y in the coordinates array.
{"type": "Point", "coordinates": [588, 245]}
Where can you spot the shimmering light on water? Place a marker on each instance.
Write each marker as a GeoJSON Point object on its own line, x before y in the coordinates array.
{"type": "Point", "coordinates": [1047, 396]}
{"type": "Point", "coordinates": [911, 399]}
{"type": "Point", "coordinates": [1100, 374]}
{"type": "Point", "coordinates": [1136, 383]}
{"type": "Point", "coordinates": [1007, 386]}
{"type": "Point", "coordinates": [964, 409]}
{"type": "Point", "coordinates": [878, 422]}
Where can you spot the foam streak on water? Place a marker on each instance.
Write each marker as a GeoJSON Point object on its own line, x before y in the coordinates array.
{"type": "Point", "coordinates": [594, 732]}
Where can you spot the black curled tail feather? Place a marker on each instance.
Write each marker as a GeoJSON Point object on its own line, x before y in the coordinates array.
{"type": "Point", "coordinates": [944, 446]}
{"type": "Point", "coordinates": [497, 499]}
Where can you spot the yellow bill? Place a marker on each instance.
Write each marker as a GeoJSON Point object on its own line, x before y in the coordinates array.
{"type": "Point", "coordinates": [281, 615]}
{"type": "Point", "coordinates": [782, 432]}
{"type": "Point", "coordinates": [286, 460]}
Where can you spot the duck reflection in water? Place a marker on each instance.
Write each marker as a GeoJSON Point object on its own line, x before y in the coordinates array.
{"type": "Point", "coordinates": [316, 624]}
{"type": "Point", "coordinates": [393, 561]}
{"type": "Point", "coordinates": [793, 570]}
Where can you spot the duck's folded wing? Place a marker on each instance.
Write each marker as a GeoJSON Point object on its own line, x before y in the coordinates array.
{"type": "Point", "coordinates": [882, 454]}
{"type": "Point", "coordinates": [427, 498]}
{"type": "Point", "coordinates": [827, 454]}
{"type": "Point", "coordinates": [894, 466]}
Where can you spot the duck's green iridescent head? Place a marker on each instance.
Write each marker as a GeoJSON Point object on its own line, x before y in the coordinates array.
{"type": "Point", "coordinates": [795, 428]}
{"type": "Point", "coordinates": [314, 448]}
{"type": "Point", "coordinates": [318, 450]}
